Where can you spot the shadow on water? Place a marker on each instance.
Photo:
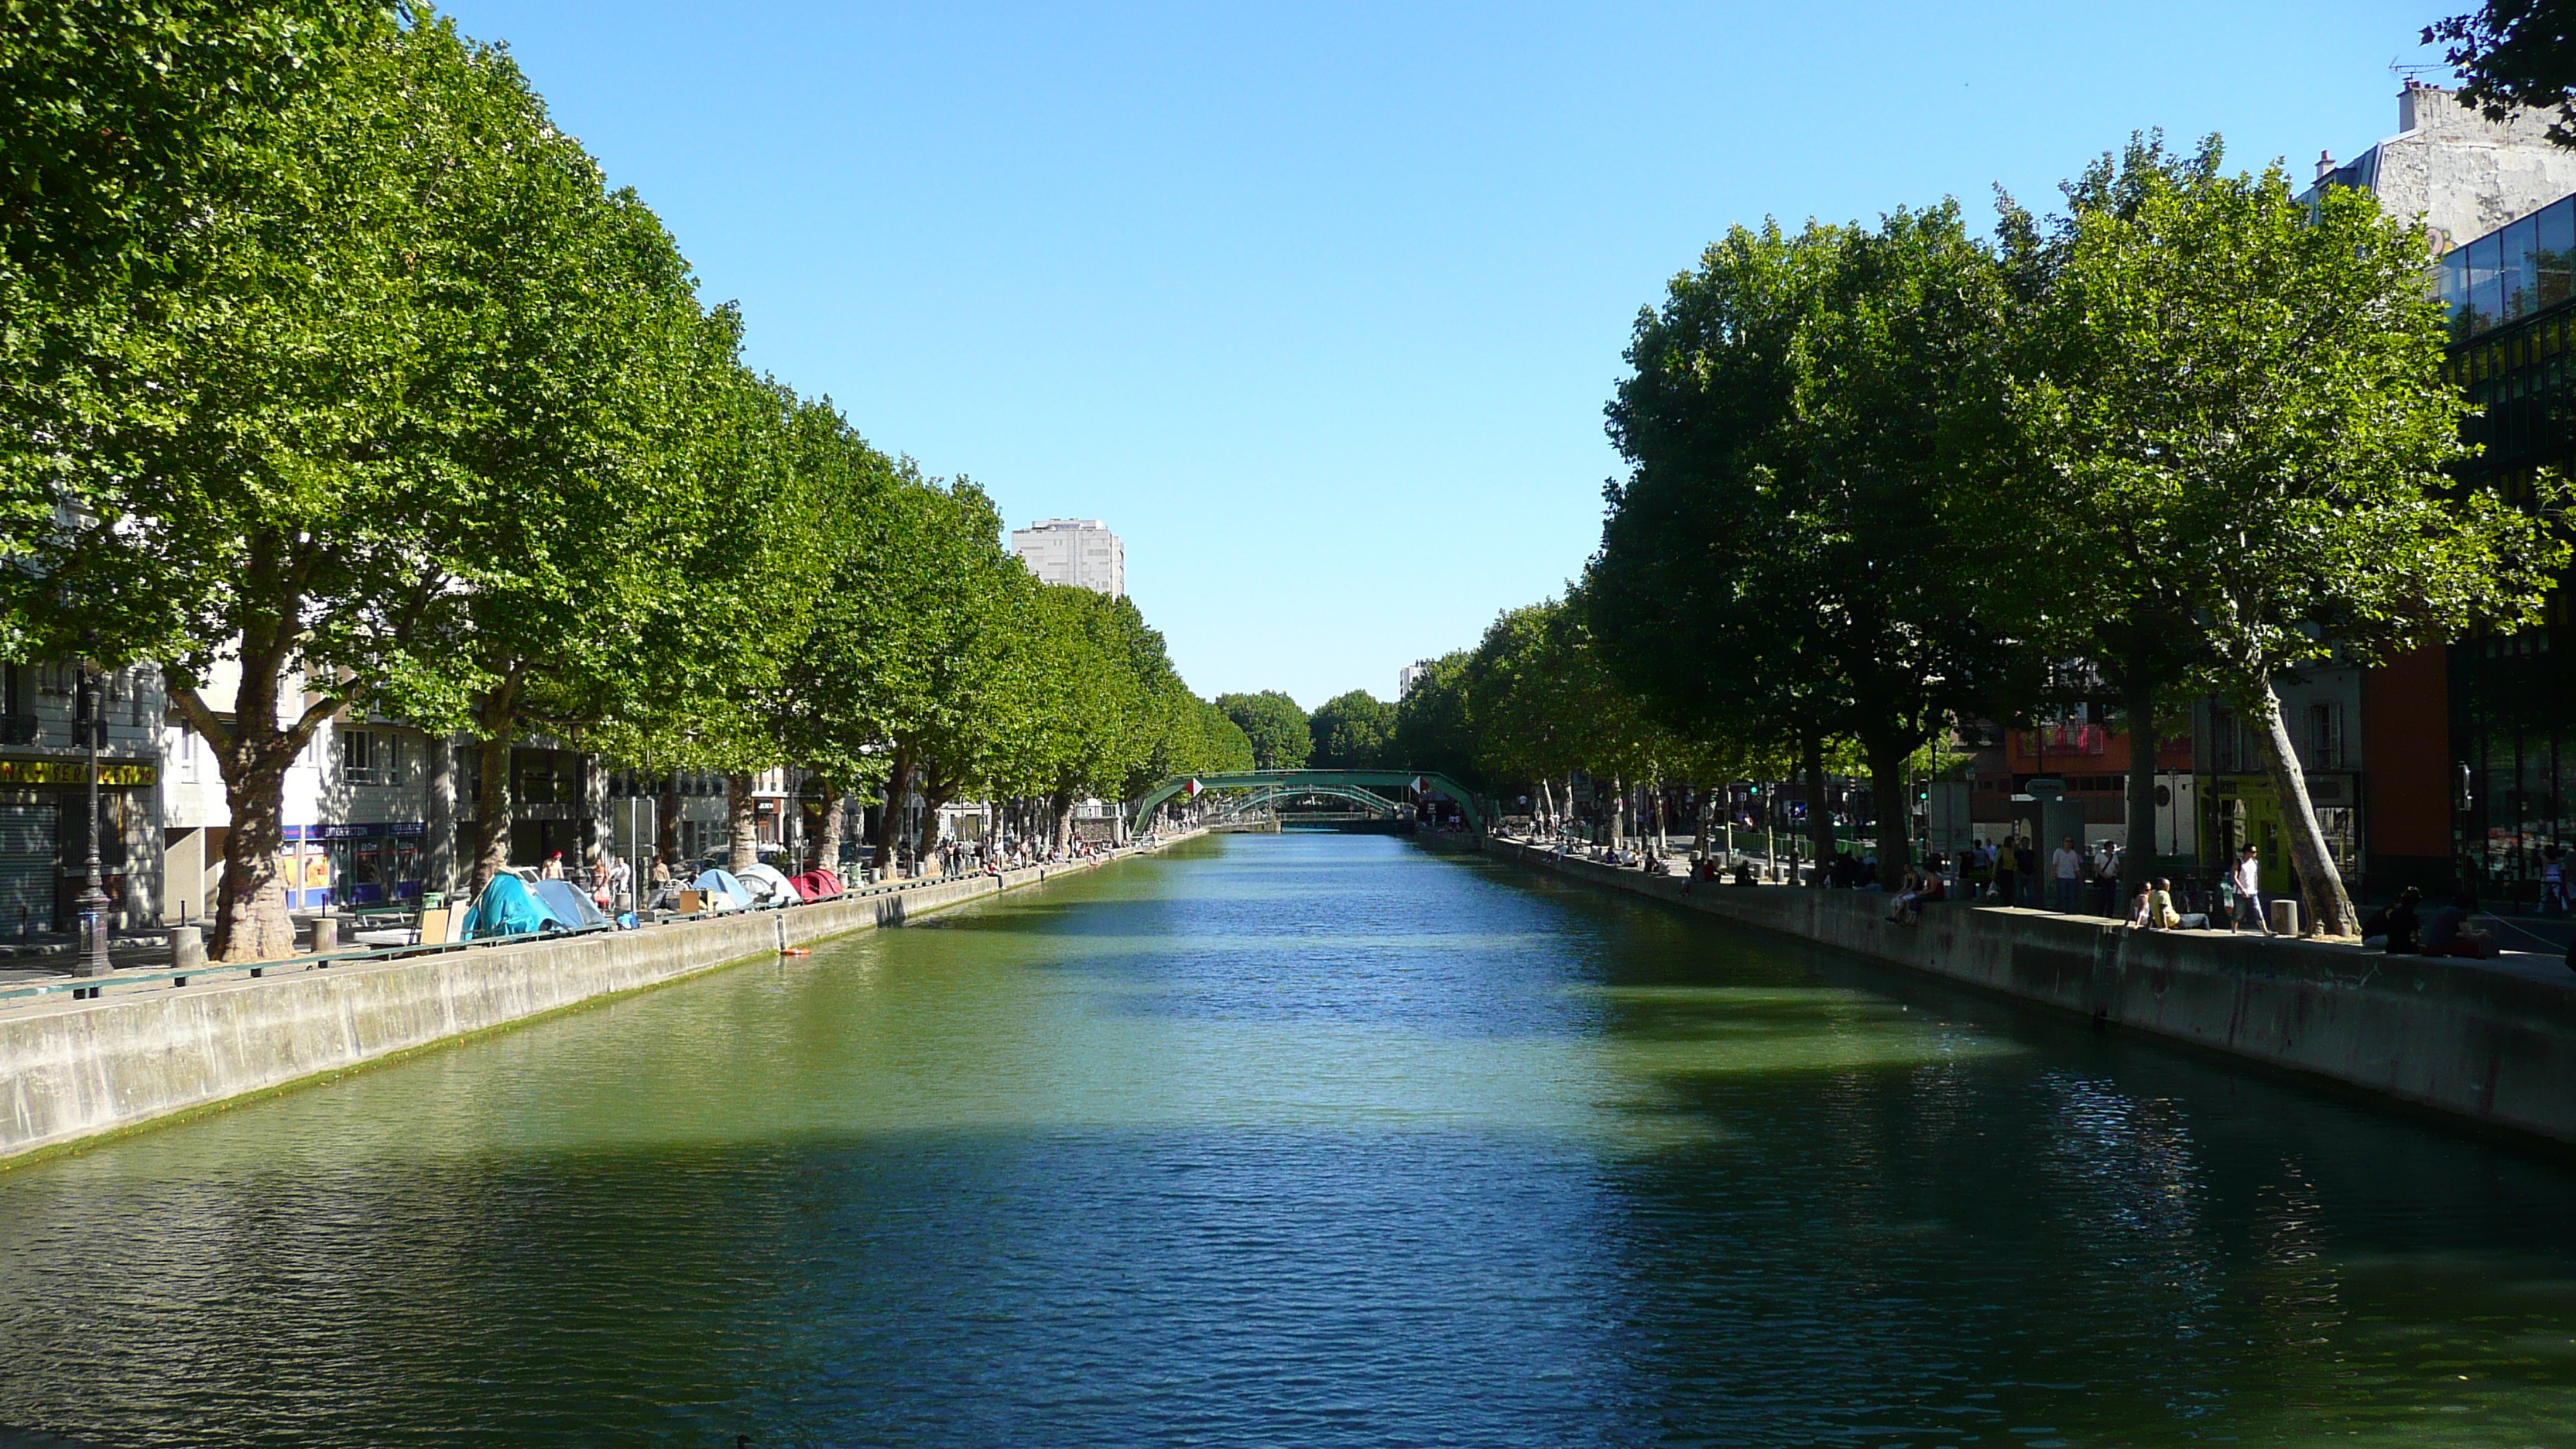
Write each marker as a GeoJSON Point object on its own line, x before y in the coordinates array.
{"type": "Point", "coordinates": [1303, 1140]}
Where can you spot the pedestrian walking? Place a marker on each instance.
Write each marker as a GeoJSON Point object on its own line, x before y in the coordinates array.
{"type": "Point", "coordinates": [2007, 871]}
{"type": "Point", "coordinates": [2248, 879]}
{"type": "Point", "coordinates": [2066, 871]}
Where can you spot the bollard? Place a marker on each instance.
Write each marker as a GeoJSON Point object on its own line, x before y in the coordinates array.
{"type": "Point", "coordinates": [326, 934]}
{"type": "Point", "coordinates": [2285, 917]}
{"type": "Point", "coordinates": [187, 948]}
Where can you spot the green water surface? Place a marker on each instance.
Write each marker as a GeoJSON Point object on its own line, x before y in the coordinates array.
{"type": "Point", "coordinates": [1298, 1140]}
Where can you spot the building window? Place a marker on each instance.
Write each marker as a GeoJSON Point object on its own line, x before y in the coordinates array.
{"type": "Point", "coordinates": [370, 757]}
{"type": "Point", "coordinates": [2325, 736]}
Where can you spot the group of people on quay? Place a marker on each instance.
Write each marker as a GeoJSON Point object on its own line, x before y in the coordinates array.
{"type": "Point", "coordinates": [2071, 879]}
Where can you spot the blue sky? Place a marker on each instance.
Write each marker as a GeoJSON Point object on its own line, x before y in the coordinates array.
{"type": "Point", "coordinates": [1318, 306]}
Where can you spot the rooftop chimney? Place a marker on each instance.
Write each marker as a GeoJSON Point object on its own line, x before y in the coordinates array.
{"type": "Point", "coordinates": [2325, 164]}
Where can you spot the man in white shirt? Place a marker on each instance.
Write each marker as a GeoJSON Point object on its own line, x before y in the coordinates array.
{"type": "Point", "coordinates": [2066, 871]}
{"type": "Point", "coordinates": [2248, 877]}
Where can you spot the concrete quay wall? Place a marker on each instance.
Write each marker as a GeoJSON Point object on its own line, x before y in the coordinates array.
{"type": "Point", "coordinates": [2492, 1044]}
{"type": "Point", "coordinates": [76, 1070]}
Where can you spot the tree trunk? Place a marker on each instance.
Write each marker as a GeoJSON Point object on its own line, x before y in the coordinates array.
{"type": "Point", "coordinates": [253, 753]}
{"type": "Point", "coordinates": [931, 828]}
{"type": "Point", "coordinates": [2137, 861]}
{"type": "Point", "coordinates": [827, 838]}
{"type": "Point", "coordinates": [744, 845]}
{"type": "Point", "coordinates": [1618, 811]}
{"type": "Point", "coordinates": [889, 834]}
{"type": "Point", "coordinates": [2329, 909]}
{"type": "Point", "coordinates": [1820, 821]}
{"type": "Point", "coordinates": [1887, 759]}
{"type": "Point", "coordinates": [666, 829]}
{"type": "Point", "coordinates": [251, 923]}
{"type": "Point", "coordinates": [496, 812]}
{"type": "Point", "coordinates": [1060, 830]}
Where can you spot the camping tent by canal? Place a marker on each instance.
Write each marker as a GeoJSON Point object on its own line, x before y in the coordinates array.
{"type": "Point", "coordinates": [724, 892]}
{"type": "Point", "coordinates": [771, 888]}
{"type": "Point", "coordinates": [571, 909]}
{"type": "Point", "coordinates": [508, 908]}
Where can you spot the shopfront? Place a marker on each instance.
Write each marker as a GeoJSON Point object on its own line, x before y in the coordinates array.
{"type": "Point", "coordinates": [2241, 810]}
{"type": "Point", "coordinates": [44, 836]}
{"type": "Point", "coordinates": [372, 864]}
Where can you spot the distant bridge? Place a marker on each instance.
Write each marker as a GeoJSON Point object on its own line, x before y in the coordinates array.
{"type": "Point", "coordinates": [1371, 805]}
{"type": "Point", "coordinates": [1374, 790]}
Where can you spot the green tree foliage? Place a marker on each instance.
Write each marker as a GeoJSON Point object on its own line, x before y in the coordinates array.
{"type": "Point", "coordinates": [119, 125]}
{"type": "Point", "coordinates": [1274, 724]}
{"type": "Point", "coordinates": [308, 407]}
{"type": "Point", "coordinates": [2243, 427]}
{"type": "Point", "coordinates": [338, 378]}
{"type": "Point", "coordinates": [2515, 54]}
{"type": "Point", "coordinates": [1352, 731]}
{"type": "Point", "coordinates": [1543, 705]}
{"type": "Point", "coordinates": [1220, 746]}
{"type": "Point", "coordinates": [1787, 558]}
{"type": "Point", "coordinates": [1434, 727]}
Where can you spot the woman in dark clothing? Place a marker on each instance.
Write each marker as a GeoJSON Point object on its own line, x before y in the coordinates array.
{"type": "Point", "coordinates": [2403, 922]}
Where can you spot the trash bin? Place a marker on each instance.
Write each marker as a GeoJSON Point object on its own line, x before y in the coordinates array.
{"type": "Point", "coordinates": [2285, 917]}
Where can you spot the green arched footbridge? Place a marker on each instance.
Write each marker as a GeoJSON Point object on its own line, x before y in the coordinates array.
{"type": "Point", "coordinates": [1348, 784]}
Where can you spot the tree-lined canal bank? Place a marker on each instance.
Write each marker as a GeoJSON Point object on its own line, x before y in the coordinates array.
{"type": "Point", "coordinates": [2490, 1043]}
{"type": "Point", "coordinates": [1296, 1139]}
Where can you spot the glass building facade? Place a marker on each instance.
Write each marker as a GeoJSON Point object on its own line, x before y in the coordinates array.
{"type": "Point", "coordinates": [2513, 731]}
{"type": "Point", "coordinates": [2519, 270]}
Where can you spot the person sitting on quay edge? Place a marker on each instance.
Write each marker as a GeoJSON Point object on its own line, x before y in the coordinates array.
{"type": "Point", "coordinates": [2174, 920]}
{"type": "Point", "coordinates": [2393, 927]}
{"type": "Point", "coordinates": [2142, 909]}
{"type": "Point", "coordinates": [1919, 888]}
{"type": "Point", "coordinates": [2447, 932]}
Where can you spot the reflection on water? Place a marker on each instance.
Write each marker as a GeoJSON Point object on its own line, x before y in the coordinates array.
{"type": "Point", "coordinates": [1296, 1140]}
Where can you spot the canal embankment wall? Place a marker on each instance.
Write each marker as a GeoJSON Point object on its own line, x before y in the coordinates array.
{"type": "Point", "coordinates": [75, 1070]}
{"type": "Point", "coordinates": [2491, 1042]}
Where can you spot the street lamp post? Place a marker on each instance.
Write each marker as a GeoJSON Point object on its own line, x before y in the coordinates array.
{"type": "Point", "coordinates": [92, 718]}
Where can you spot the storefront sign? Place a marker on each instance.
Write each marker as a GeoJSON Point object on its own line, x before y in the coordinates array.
{"type": "Point", "coordinates": [375, 830]}
{"type": "Point", "coordinates": [75, 772]}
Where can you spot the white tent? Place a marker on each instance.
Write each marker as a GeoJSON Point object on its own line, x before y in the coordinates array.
{"type": "Point", "coordinates": [769, 888]}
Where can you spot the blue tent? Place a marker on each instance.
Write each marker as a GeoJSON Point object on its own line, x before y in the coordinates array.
{"type": "Point", "coordinates": [574, 910]}
{"type": "Point", "coordinates": [507, 908]}
{"type": "Point", "coordinates": [724, 891]}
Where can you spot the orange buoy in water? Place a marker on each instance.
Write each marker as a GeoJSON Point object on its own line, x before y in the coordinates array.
{"type": "Point", "coordinates": [795, 951]}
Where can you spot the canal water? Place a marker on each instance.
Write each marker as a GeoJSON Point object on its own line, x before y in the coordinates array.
{"type": "Point", "coordinates": [1297, 1140]}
